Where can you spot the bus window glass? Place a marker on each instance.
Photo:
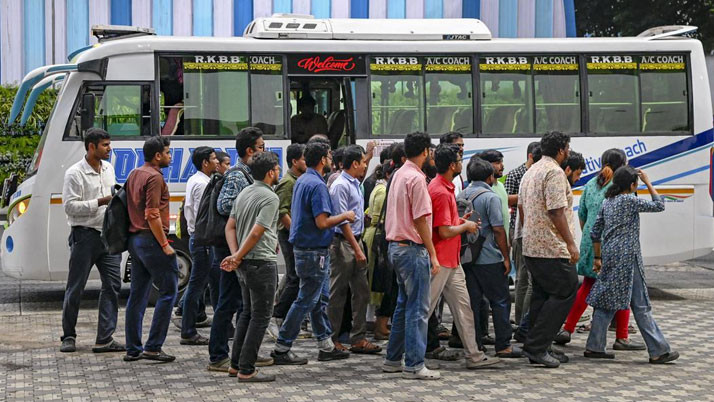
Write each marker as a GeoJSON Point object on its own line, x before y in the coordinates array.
{"type": "Point", "coordinates": [557, 93]}
{"type": "Point", "coordinates": [506, 95]}
{"type": "Point", "coordinates": [663, 79]}
{"type": "Point", "coordinates": [121, 110]}
{"type": "Point", "coordinates": [614, 94]}
{"type": "Point", "coordinates": [397, 95]}
{"type": "Point", "coordinates": [449, 94]}
{"type": "Point", "coordinates": [266, 82]}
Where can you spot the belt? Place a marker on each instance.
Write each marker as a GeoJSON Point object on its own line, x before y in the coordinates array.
{"type": "Point", "coordinates": [309, 248]}
{"type": "Point", "coordinates": [85, 228]}
{"type": "Point", "coordinates": [341, 236]}
{"type": "Point", "coordinates": [407, 243]}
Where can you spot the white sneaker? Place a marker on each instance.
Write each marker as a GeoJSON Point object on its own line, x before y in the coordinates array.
{"type": "Point", "coordinates": [274, 328]}
{"type": "Point", "coordinates": [423, 374]}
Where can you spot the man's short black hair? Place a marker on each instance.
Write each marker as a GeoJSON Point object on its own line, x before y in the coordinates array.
{"type": "Point", "coordinates": [532, 148]}
{"type": "Point", "coordinates": [319, 138]}
{"type": "Point", "coordinates": [553, 142]}
{"type": "Point", "coordinates": [385, 154]}
{"type": "Point", "coordinates": [479, 169]}
{"type": "Point", "coordinates": [444, 155]}
{"type": "Point", "coordinates": [201, 154]}
{"type": "Point", "coordinates": [450, 137]}
{"type": "Point", "coordinates": [294, 152]}
{"type": "Point", "coordinates": [306, 100]}
{"type": "Point", "coordinates": [154, 145]}
{"type": "Point", "coordinates": [352, 153]}
{"type": "Point", "coordinates": [220, 155]}
{"type": "Point", "coordinates": [575, 161]}
{"type": "Point", "coordinates": [263, 163]}
{"type": "Point", "coordinates": [337, 155]}
{"type": "Point", "coordinates": [94, 136]}
{"type": "Point", "coordinates": [314, 152]}
{"type": "Point", "coordinates": [398, 153]}
{"type": "Point", "coordinates": [491, 156]}
{"type": "Point", "coordinates": [416, 143]}
{"type": "Point", "coordinates": [247, 138]}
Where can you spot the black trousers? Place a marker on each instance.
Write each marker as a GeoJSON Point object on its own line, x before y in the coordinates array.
{"type": "Point", "coordinates": [292, 282]}
{"type": "Point", "coordinates": [555, 284]}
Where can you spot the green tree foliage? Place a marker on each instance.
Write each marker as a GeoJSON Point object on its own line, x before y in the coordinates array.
{"type": "Point", "coordinates": [630, 17]}
{"type": "Point", "coordinates": [18, 144]}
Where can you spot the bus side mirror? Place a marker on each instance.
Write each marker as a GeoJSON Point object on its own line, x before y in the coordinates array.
{"type": "Point", "coordinates": [87, 111]}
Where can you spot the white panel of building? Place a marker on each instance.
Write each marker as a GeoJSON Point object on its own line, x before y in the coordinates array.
{"type": "Point", "coordinates": [11, 14]}
{"type": "Point", "coordinates": [222, 17]}
{"type": "Point", "coordinates": [98, 15]}
{"type": "Point", "coordinates": [183, 17]}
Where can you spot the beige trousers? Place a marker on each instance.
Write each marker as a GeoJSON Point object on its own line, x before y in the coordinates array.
{"type": "Point", "coordinates": [452, 283]}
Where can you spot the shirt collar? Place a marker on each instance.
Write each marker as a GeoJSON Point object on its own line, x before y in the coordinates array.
{"type": "Point", "coordinates": [314, 172]}
{"type": "Point", "coordinates": [201, 174]}
{"type": "Point", "coordinates": [88, 169]}
{"type": "Point", "coordinates": [549, 159]}
{"type": "Point", "coordinates": [150, 166]}
{"type": "Point", "coordinates": [349, 178]}
{"type": "Point", "coordinates": [481, 184]}
{"type": "Point", "coordinates": [411, 165]}
{"type": "Point", "coordinates": [449, 185]}
{"type": "Point", "coordinates": [240, 163]}
{"type": "Point", "coordinates": [291, 174]}
{"type": "Point", "coordinates": [261, 182]}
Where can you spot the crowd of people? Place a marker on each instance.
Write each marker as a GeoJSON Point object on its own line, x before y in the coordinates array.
{"type": "Point", "coordinates": [366, 251]}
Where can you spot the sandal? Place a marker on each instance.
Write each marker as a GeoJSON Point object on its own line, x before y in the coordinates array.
{"type": "Point", "coordinates": [365, 347]}
{"type": "Point", "coordinates": [339, 346]}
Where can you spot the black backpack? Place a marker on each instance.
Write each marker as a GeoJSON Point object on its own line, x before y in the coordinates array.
{"type": "Point", "coordinates": [471, 243]}
{"type": "Point", "coordinates": [210, 226]}
{"type": "Point", "coordinates": [115, 228]}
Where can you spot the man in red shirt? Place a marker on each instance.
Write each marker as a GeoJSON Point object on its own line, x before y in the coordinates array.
{"type": "Point", "coordinates": [446, 235]}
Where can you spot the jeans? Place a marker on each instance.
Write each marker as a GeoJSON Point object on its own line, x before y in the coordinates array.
{"type": "Point", "coordinates": [313, 268]}
{"type": "Point", "coordinates": [292, 282]}
{"type": "Point", "coordinates": [642, 310]}
{"type": "Point", "coordinates": [489, 280]}
{"type": "Point", "coordinates": [149, 265]}
{"type": "Point", "coordinates": [409, 323]}
{"type": "Point", "coordinates": [86, 250]}
{"type": "Point", "coordinates": [196, 289]}
{"type": "Point", "coordinates": [257, 281]}
{"type": "Point", "coordinates": [347, 278]}
{"type": "Point", "coordinates": [555, 283]}
{"type": "Point", "coordinates": [229, 303]}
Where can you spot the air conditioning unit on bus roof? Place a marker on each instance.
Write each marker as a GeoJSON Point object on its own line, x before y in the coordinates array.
{"type": "Point", "coordinates": [291, 26]}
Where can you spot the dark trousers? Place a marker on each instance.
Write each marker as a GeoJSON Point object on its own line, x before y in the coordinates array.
{"type": "Point", "coordinates": [86, 250]}
{"type": "Point", "coordinates": [230, 302]}
{"type": "Point", "coordinates": [389, 300]}
{"type": "Point", "coordinates": [292, 282]}
{"type": "Point", "coordinates": [555, 284]}
{"type": "Point", "coordinates": [193, 298]}
{"type": "Point", "coordinates": [149, 265]}
{"type": "Point", "coordinates": [490, 281]}
{"type": "Point", "coordinates": [432, 335]}
{"type": "Point", "coordinates": [257, 281]}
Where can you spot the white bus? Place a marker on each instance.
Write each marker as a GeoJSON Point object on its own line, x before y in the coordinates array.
{"type": "Point", "coordinates": [376, 79]}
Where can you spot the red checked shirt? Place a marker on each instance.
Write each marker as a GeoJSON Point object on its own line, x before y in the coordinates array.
{"type": "Point", "coordinates": [445, 213]}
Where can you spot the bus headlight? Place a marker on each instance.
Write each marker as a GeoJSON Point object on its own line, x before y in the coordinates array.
{"type": "Point", "coordinates": [17, 210]}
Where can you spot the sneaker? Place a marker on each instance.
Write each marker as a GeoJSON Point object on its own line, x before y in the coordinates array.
{"type": "Point", "coordinates": [422, 374]}
{"type": "Point", "coordinates": [274, 327]}
{"type": "Point", "coordinates": [288, 358]}
{"type": "Point", "coordinates": [110, 347]}
{"type": "Point", "coordinates": [628, 344]}
{"type": "Point", "coordinates": [544, 358]}
{"type": "Point", "coordinates": [132, 358]}
{"type": "Point", "coordinates": [205, 323]}
{"type": "Point", "coordinates": [665, 358]}
{"type": "Point", "coordinates": [158, 356]}
{"type": "Point", "coordinates": [263, 361]}
{"type": "Point", "coordinates": [485, 363]}
{"type": "Point", "coordinates": [559, 356]}
{"type": "Point", "coordinates": [562, 337]}
{"type": "Point", "coordinates": [221, 365]}
{"type": "Point", "coordinates": [197, 340]}
{"type": "Point", "coordinates": [334, 354]}
{"type": "Point", "coordinates": [598, 355]}
{"type": "Point", "coordinates": [68, 345]}
{"type": "Point", "coordinates": [178, 322]}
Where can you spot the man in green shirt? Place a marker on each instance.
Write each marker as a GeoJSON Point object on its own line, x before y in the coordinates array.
{"type": "Point", "coordinates": [295, 155]}
{"type": "Point", "coordinates": [496, 159]}
{"type": "Point", "coordinates": [251, 233]}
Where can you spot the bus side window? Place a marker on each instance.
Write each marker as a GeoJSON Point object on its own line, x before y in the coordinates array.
{"type": "Point", "coordinates": [449, 98]}
{"type": "Point", "coordinates": [121, 110]}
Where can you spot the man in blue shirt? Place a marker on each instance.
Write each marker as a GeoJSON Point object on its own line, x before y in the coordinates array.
{"type": "Point", "coordinates": [488, 275]}
{"type": "Point", "coordinates": [311, 234]}
{"type": "Point", "coordinates": [349, 263]}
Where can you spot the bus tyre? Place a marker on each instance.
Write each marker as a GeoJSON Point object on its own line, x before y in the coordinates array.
{"type": "Point", "coordinates": [183, 256]}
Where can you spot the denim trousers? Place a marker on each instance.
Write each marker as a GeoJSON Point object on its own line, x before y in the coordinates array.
{"type": "Point", "coordinates": [313, 268]}
{"type": "Point", "coordinates": [257, 281]}
{"type": "Point", "coordinates": [292, 282]}
{"type": "Point", "coordinates": [642, 310]}
{"type": "Point", "coordinates": [409, 323]}
{"type": "Point", "coordinates": [490, 281]}
{"type": "Point", "coordinates": [230, 302]}
{"type": "Point", "coordinates": [555, 284]}
{"type": "Point", "coordinates": [86, 250]}
{"type": "Point", "coordinates": [149, 265]}
{"type": "Point", "coordinates": [196, 289]}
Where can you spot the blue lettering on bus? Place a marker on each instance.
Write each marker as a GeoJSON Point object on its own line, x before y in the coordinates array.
{"type": "Point", "coordinates": [179, 171]}
{"type": "Point", "coordinates": [594, 164]}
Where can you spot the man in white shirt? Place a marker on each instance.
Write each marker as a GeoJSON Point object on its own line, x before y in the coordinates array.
{"type": "Point", "coordinates": [88, 187]}
{"type": "Point", "coordinates": [205, 161]}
